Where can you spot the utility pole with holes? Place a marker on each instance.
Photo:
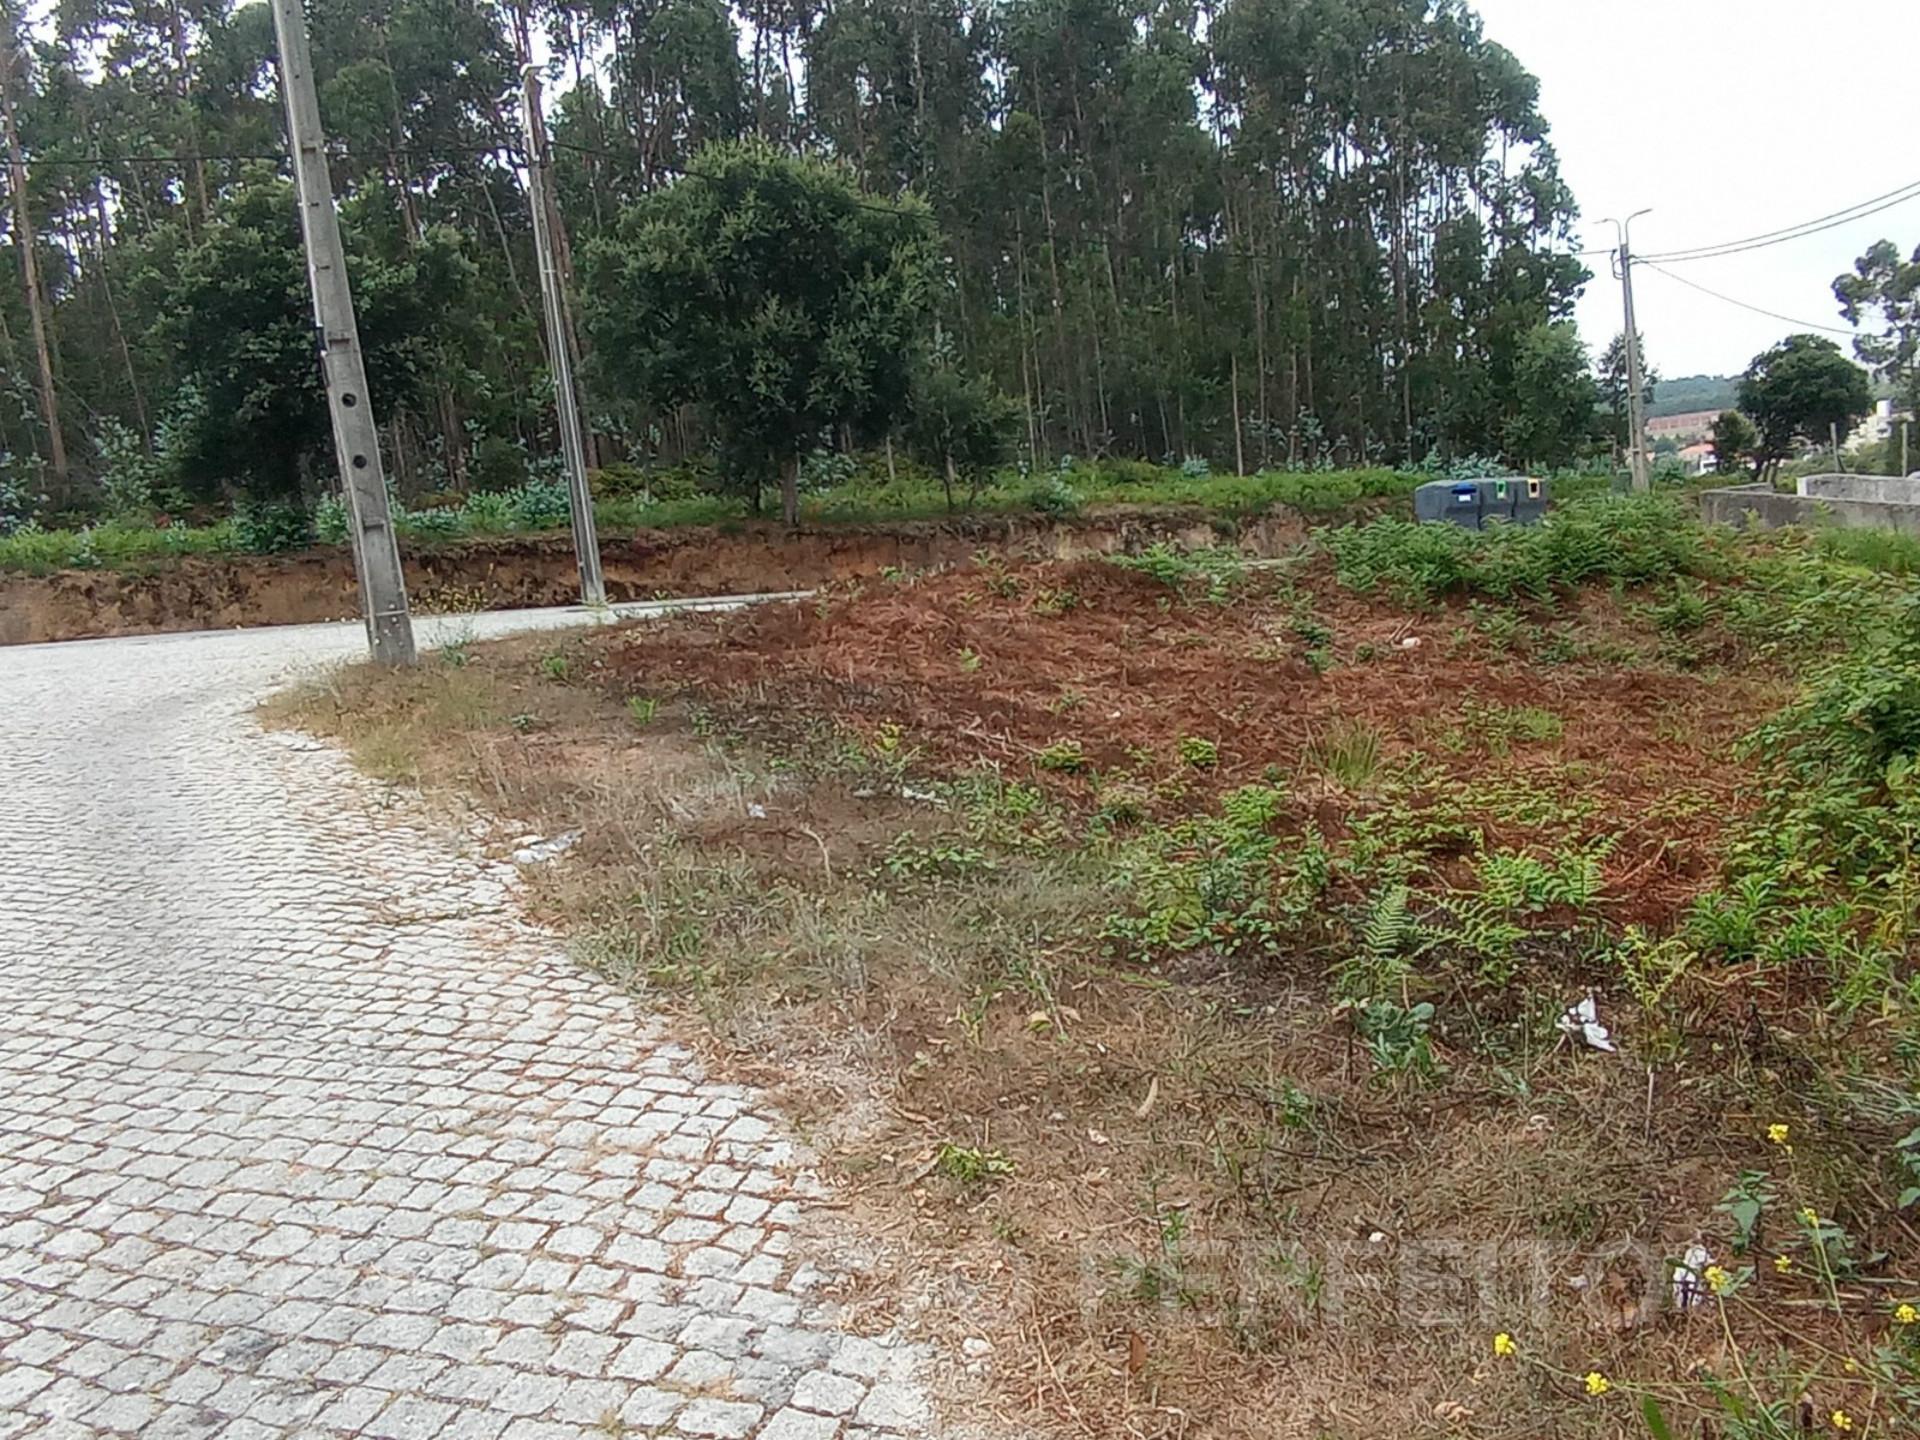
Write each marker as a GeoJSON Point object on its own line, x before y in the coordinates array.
{"type": "Point", "coordinates": [1636, 400]}
{"type": "Point", "coordinates": [586, 542]}
{"type": "Point", "coordinates": [356, 436]}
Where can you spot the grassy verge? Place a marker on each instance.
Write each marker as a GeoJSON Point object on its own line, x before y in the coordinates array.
{"type": "Point", "coordinates": [541, 509]}
{"type": "Point", "coordinates": [1183, 954]}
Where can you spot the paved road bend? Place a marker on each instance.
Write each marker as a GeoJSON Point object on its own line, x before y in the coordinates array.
{"type": "Point", "coordinates": [305, 1131]}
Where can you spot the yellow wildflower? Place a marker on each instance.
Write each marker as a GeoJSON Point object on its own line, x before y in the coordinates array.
{"type": "Point", "coordinates": [1906, 1314]}
{"type": "Point", "coordinates": [1783, 1263]}
{"type": "Point", "coordinates": [1850, 1365]}
{"type": "Point", "coordinates": [1841, 1420]}
{"type": "Point", "coordinates": [1809, 1214]}
{"type": "Point", "coordinates": [1717, 1279]}
{"type": "Point", "coordinates": [1597, 1384]}
{"type": "Point", "coordinates": [1503, 1344]}
{"type": "Point", "coordinates": [1778, 1134]}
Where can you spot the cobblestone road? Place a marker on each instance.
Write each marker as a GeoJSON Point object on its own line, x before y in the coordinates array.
{"type": "Point", "coordinates": [304, 1132]}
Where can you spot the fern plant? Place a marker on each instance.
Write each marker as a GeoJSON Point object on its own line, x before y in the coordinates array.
{"type": "Point", "coordinates": [1390, 939]}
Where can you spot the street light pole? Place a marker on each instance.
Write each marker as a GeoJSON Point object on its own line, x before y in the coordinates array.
{"type": "Point", "coordinates": [573, 450]}
{"type": "Point", "coordinates": [356, 436]}
{"type": "Point", "coordinates": [1636, 403]}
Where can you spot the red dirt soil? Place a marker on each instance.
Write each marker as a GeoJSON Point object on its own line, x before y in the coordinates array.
{"type": "Point", "coordinates": [216, 592]}
{"type": "Point", "coordinates": [1131, 667]}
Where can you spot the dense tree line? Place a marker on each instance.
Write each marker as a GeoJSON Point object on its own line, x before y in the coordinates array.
{"type": "Point", "coordinates": [1267, 231]}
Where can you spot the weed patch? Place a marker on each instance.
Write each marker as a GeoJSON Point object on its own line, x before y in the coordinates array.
{"type": "Point", "coordinates": [1209, 993]}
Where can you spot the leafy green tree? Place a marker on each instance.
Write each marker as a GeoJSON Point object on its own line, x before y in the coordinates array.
{"type": "Point", "coordinates": [960, 424]}
{"type": "Point", "coordinates": [1801, 390]}
{"type": "Point", "coordinates": [250, 416]}
{"type": "Point", "coordinates": [1733, 440]}
{"type": "Point", "coordinates": [1883, 285]}
{"type": "Point", "coordinates": [1553, 398]}
{"type": "Point", "coordinates": [1309, 230]}
{"type": "Point", "coordinates": [769, 292]}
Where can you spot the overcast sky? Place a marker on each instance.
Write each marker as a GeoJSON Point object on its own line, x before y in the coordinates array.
{"type": "Point", "coordinates": [1730, 118]}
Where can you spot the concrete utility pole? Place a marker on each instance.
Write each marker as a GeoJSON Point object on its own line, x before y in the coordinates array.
{"type": "Point", "coordinates": [586, 542]}
{"type": "Point", "coordinates": [1636, 400]}
{"type": "Point", "coordinates": [356, 436]}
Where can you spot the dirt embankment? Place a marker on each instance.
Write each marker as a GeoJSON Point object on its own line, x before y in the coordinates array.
{"type": "Point", "coordinates": [217, 592]}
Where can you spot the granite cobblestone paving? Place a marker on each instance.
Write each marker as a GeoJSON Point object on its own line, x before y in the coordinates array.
{"type": "Point", "coordinates": [306, 1131]}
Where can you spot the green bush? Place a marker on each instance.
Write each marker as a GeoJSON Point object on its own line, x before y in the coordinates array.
{"type": "Point", "coordinates": [489, 512]}
{"type": "Point", "coordinates": [1843, 762]}
{"type": "Point", "coordinates": [498, 464]}
{"type": "Point", "coordinates": [1634, 540]}
{"type": "Point", "coordinates": [539, 505]}
{"type": "Point", "coordinates": [39, 552]}
{"type": "Point", "coordinates": [1888, 551]}
{"type": "Point", "coordinates": [129, 476]}
{"type": "Point", "coordinates": [36, 551]}
{"type": "Point", "coordinates": [619, 481]}
{"type": "Point", "coordinates": [435, 524]}
{"type": "Point", "coordinates": [1123, 473]}
{"type": "Point", "coordinates": [331, 520]}
{"type": "Point", "coordinates": [271, 527]}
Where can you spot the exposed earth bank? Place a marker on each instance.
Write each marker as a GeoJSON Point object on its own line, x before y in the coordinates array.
{"type": "Point", "coordinates": [217, 592]}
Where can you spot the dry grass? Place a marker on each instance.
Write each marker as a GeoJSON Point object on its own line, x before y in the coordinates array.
{"type": "Point", "coordinates": [1216, 1217]}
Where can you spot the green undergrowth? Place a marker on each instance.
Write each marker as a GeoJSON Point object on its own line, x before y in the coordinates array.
{"type": "Point", "coordinates": [1258, 1010]}
{"type": "Point", "coordinates": [1634, 541]}
{"type": "Point", "coordinates": [540, 507]}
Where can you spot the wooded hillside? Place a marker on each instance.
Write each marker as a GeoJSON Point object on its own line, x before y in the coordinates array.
{"type": "Point", "coordinates": [1335, 221]}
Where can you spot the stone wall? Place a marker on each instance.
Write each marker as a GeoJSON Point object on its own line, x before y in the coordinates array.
{"type": "Point", "coordinates": [1889, 489]}
{"type": "Point", "coordinates": [1762, 505]}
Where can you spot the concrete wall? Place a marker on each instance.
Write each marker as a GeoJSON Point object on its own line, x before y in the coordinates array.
{"type": "Point", "coordinates": [1891, 489]}
{"type": "Point", "coordinates": [1761, 505]}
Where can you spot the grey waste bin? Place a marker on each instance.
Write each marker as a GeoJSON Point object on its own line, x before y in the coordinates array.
{"type": "Point", "coordinates": [1496, 500]}
{"type": "Point", "coordinates": [1530, 500]}
{"type": "Point", "coordinates": [1450, 502]}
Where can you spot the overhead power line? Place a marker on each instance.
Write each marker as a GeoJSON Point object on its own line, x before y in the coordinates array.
{"type": "Point", "coordinates": [1756, 309]}
{"type": "Point", "coordinates": [1860, 211]}
{"type": "Point", "coordinates": [333, 153]}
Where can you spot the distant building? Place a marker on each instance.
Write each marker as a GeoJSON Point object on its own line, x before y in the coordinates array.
{"type": "Point", "coordinates": [1687, 428]}
{"type": "Point", "coordinates": [1878, 425]}
{"type": "Point", "coordinates": [1699, 458]}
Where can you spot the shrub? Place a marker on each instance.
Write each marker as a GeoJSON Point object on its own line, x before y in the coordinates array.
{"type": "Point", "coordinates": [331, 520]}
{"type": "Point", "coordinates": [619, 481]}
{"type": "Point", "coordinates": [1125, 473]}
{"type": "Point", "coordinates": [1630, 539]}
{"type": "Point", "coordinates": [129, 476]}
{"type": "Point", "coordinates": [498, 464]}
{"type": "Point", "coordinates": [1464, 467]}
{"type": "Point", "coordinates": [1843, 760]}
{"type": "Point", "coordinates": [827, 470]}
{"type": "Point", "coordinates": [36, 551]}
{"type": "Point", "coordinates": [271, 527]}
{"type": "Point", "coordinates": [1054, 496]}
{"type": "Point", "coordinates": [1221, 571]}
{"type": "Point", "coordinates": [489, 512]}
{"type": "Point", "coordinates": [436, 524]}
{"type": "Point", "coordinates": [539, 505]}
{"type": "Point", "coordinates": [17, 495]}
